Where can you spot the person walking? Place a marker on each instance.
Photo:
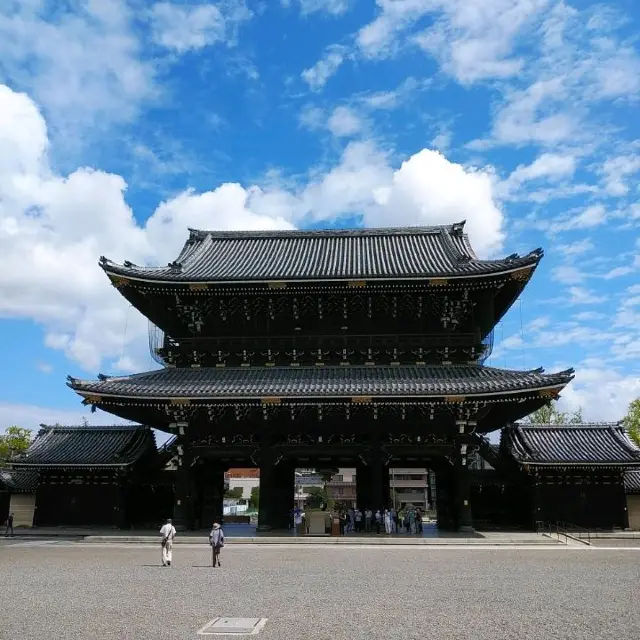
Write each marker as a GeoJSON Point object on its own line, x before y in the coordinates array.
{"type": "Point", "coordinates": [168, 533]}
{"type": "Point", "coordinates": [9, 526]}
{"type": "Point", "coordinates": [216, 540]}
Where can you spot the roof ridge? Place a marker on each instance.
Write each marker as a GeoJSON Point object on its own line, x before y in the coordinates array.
{"type": "Point", "coordinates": [92, 427]}
{"type": "Point", "coordinates": [576, 425]}
{"type": "Point", "coordinates": [200, 234]}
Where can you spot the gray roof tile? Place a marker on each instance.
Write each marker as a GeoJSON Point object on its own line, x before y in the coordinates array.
{"type": "Point", "coordinates": [632, 481]}
{"type": "Point", "coordinates": [301, 382]}
{"type": "Point", "coordinates": [227, 256]}
{"type": "Point", "coordinates": [580, 444]}
{"type": "Point", "coordinates": [109, 446]}
{"type": "Point", "coordinates": [19, 480]}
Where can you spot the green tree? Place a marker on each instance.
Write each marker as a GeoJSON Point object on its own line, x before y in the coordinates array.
{"type": "Point", "coordinates": [234, 494]}
{"type": "Point", "coordinates": [317, 496]}
{"type": "Point", "coordinates": [631, 421]}
{"type": "Point", "coordinates": [13, 442]}
{"type": "Point", "coordinates": [254, 499]}
{"type": "Point", "coordinates": [550, 414]}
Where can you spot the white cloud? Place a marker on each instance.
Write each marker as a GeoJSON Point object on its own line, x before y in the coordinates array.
{"type": "Point", "coordinates": [318, 75]}
{"type": "Point", "coordinates": [616, 170]}
{"type": "Point", "coordinates": [579, 295]}
{"type": "Point", "coordinates": [344, 122]}
{"type": "Point", "coordinates": [82, 61]}
{"type": "Point", "coordinates": [332, 7]}
{"type": "Point", "coordinates": [43, 215]}
{"type": "Point", "coordinates": [32, 416]}
{"type": "Point", "coordinates": [185, 28]}
{"type": "Point", "coordinates": [568, 274]}
{"type": "Point", "coordinates": [430, 189]}
{"type": "Point", "coordinates": [601, 392]}
{"type": "Point", "coordinates": [575, 248]}
{"type": "Point", "coordinates": [548, 166]}
{"type": "Point", "coordinates": [592, 216]}
{"type": "Point", "coordinates": [475, 40]}
{"type": "Point", "coordinates": [618, 272]}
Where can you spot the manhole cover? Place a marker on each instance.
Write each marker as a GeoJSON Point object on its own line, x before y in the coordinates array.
{"type": "Point", "coordinates": [233, 626]}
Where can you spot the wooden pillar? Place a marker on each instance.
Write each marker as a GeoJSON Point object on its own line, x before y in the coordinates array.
{"type": "Point", "coordinates": [283, 489]}
{"type": "Point", "coordinates": [372, 481]}
{"type": "Point", "coordinates": [363, 487]}
{"type": "Point", "coordinates": [464, 518]}
{"type": "Point", "coordinates": [183, 489]}
{"type": "Point", "coordinates": [268, 492]}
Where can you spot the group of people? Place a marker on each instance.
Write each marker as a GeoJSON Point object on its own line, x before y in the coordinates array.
{"type": "Point", "coordinates": [168, 533]}
{"type": "Point", "coordinates": [387, 520]}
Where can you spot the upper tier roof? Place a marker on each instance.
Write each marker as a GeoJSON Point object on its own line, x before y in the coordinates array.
{"type": "Point", "coordinates": [87, 446]}
{"type": "Point", "coordinates": [321, 382]}
{"type": "Point", "coordinates": [571, 445]}
{"type": "Point", "coordinates": [344, 254]}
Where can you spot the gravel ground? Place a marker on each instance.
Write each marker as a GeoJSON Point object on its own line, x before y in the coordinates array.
{"type": "Point", "coordinates": [70, 591]}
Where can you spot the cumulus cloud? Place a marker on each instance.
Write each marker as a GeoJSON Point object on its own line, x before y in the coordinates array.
{"type": "Point", "coordinates": [430, 189]}
{"type": "Point", "coordinates": [54, 227]}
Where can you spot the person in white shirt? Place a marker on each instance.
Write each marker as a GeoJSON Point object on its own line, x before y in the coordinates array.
{"type": "Point", "coordinates": [168, 533]}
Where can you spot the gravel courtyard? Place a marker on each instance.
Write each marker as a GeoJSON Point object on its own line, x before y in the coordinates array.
{"type": "Point", "coordinates": [70, 591]}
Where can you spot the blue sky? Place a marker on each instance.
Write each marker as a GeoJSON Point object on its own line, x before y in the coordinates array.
{"type": "Point", "coordinates": [124, 122]}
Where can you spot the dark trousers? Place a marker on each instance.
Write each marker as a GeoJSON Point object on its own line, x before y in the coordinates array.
{"type": "Point", "coordinates": [215, 555]}
{"type": "Point", "coordinates": [9, 528]}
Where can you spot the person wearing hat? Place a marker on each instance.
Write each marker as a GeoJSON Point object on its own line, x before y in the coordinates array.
{"type": "Point", "coordinates": [216, 540]}
{"type": "Point", "coordinates": [168, 533]}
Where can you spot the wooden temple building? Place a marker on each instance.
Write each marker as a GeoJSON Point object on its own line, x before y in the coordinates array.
{"type": "Point", "coordinates": [87, 476]}
{"type": "Point", "coordinates": [343, 348]}
{"type": "Point", "coordinates": [360, 348]}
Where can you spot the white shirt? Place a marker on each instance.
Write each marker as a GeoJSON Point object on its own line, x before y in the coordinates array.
{"type": "Point", "coordinates": [168, 531]}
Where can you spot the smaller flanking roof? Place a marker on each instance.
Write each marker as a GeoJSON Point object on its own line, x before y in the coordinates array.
{"type": "Point", "coordinates": [632, 481]}
{"type": "Point", "coordinates": [233, 383]}
{"type": "Point", "coordinates": [570, 445]}
{"type": "Point", "coordinates": [342, 254]}
{"type": "Point", "coordinates": [18, 480]}
{"type": "Point", "coordinates": [87, 446]}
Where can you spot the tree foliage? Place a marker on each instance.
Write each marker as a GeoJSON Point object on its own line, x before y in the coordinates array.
{"type": "Point", "coordinates": [550, 414]}
{"type": "Point", "coordinates": [327, 474]}
{"type": "Point", "coordinates": [254, 499]}
{"type": "Point", "coordinates": [631, 421]}
{"type": "Point", "coordinates": [14, 441]}
{"type": "Point", "coordinates": [317, 496]}
{"type": "Point", "coordinates": [234, 494]}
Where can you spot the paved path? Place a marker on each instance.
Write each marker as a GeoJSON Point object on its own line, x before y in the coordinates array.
{"type": "Point", "coordinates": [78, 591]}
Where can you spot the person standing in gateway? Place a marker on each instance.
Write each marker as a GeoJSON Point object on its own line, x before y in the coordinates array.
{"type": "Point", "coordinates": [168, 533]}
{"type": "Point", "coordinates": [216, 540]}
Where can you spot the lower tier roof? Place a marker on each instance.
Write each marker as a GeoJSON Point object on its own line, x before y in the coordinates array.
{"type": "Point", "coordinates": [322, 382]}
{"type": "Point", "coordinates": [632, 481]}
{"type": "Point", "coordinates": [18, 480]}
{"type": "Point", "coordinates": [111, 446]}
{"type": "Point", "coordinates": [570, 445]}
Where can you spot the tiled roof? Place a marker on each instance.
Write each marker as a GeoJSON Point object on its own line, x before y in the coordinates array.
{"type": "Point", "coordinates": [112, 446]}
{"type": "Point", "coordinates": [18, 480]}
{"type": "Point", "coordinates": [574, 444]}
{"type": "Point", "coordinates": [326, 382]}
{"type": "Point", "coordinates": [632, 481]}
{"type": "Point", "coordinates": [222, 256]}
